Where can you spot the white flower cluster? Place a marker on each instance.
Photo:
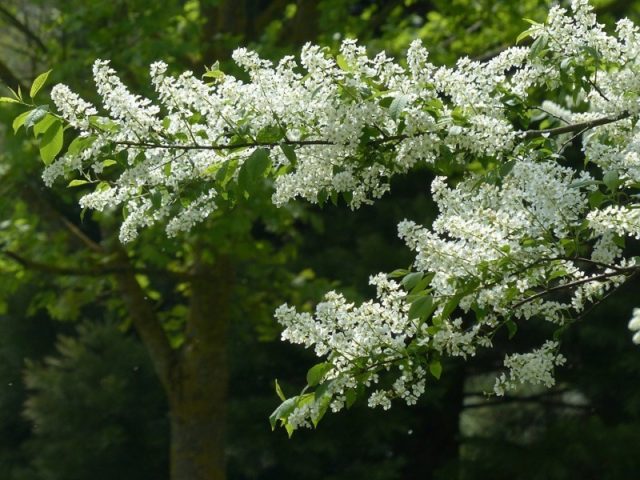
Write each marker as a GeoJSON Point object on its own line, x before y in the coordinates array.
{"type": "Point", "coordinates": [341, 125]}
{"type": "Point", "coordinates": [533, 368]}
{"type": "Point", "coordinates": [634, 325]}
{"type": "Point", "coordinates": [361, 339]}
{"type": "Point", "coordinates": [618, 219]}
{"type": "Point", "coordinates": [521, 235]}
{"type": "Point", "coordinates": [74, 110]}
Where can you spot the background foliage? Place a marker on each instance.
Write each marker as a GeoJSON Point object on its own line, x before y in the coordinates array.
{"type": "Point", "coordinates": [78, 396]}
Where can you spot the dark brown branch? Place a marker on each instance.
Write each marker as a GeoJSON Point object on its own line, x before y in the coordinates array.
{"type": "Point", "coordinates": [597, 303]}
{"type": "Point", "coordinates": [603, 276]}
{"type": "Point", "coordinates": [96, 271]}
{"type": "Point", "coordinates": [597, 89]}
{"type": "Point", "coordinates": [79, 234]}
{"type": "Point", "coordinates": [33, 196]}
{"type": "Point", "coordinates": [148, 326]}
{"type": "Point", "coordinates": [576, 127]}
{"type": "Point", "coordinates": [223, 147]}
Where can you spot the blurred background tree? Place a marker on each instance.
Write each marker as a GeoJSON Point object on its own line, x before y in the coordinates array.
{"type": "Point", "coordinates": [88, 326]}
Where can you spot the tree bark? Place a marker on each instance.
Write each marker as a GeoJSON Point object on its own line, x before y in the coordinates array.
{"type": "Point", "coordinates": [198, 394]}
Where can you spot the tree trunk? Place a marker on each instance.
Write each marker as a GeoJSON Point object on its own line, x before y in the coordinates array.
{"type": "Point", "coordinates": [198, 395]}
{"type": "Point", "coordinates": [197, 442]}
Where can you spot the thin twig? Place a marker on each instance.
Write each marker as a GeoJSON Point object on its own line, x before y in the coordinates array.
{"type": "Point", "coordinates": [577, 283]}
{"type": "Point", "coordinates": [576, 127]}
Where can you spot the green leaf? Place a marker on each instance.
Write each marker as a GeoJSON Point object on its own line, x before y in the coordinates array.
{"type": "Point", "coordinates": [583, 183]}
{"type": "Point", "coordinates": [19, 120]}
{"type": "Point", "coordinates": [512, 328]}
{"type": "Point", "coordinates": [596, 198]}
{"type": "Point", "coordinates": [42, 125]}
{"type": "Point", "coordinates": [397, 105]}
{"type": "Point", "coordinates": [411, 280]}
{"type": "Point", "coordinates": [254, 167]}
{"type": "Point", "coordinates": [449, 307]}
{"type": "Point", "coordinates": [322, 389]}
{"type": "Point", "coordinates": [435, 367]}
{"type": "Point", "coordinates": [421, 286]}
{"type": "Point", "coordinates": [342, 63]}
{"type": "Point", "coordinates": [289, 152]}
{"type": "Point", "coordinates": [38, 83]}
{"type": "Point", "coordinates": [283, 411]}
{"type": "Point", "coordinates": [505, 168]}
{"type": "Point", "coordinates": [523, 35]}
{"type": "Point", "coordinates": [612, 180]}
{"type": "Point", "coordinates": [279, 391]}
{"type": "Point", "coordinates": [351, 396]}
{"type": "Point", "coordinates": [8, 100]}
{"type": "Point", "coordinates": [78, 144]}
{"type": "Point", "coordinates": [51, 142]}
{"type": "Point", "coordinates": [619, 241]}
{"type": "Point", "coordinates": [538, 46]}
{"type": "Point", "coordinates": [106, 124]}
{"type": "Point", "coordinates": [386, 102]}
{"type": "Point", "coordinates": [421, 308]}
{"type": "Point", "coordinates": [214, 74]}
{"type": "Point", "coordinates": [400, 272]}
{"type": "Point", "coordinates": [323, 405]}
{"type": "Point", "coordinates": [270, 134]}
{"type": "Point", "coordinates": [77, 183]}
{"type": "Point", "coordinates": [109, 162]}
{"type": "Point", "coordinates": [35, 116]}
{"type": "Point", "coordinates": [317, 373]}
{"type": "Point", "coordinates": [226, 172]}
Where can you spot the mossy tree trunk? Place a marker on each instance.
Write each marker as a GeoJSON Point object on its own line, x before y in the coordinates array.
{"type": "Point", "coordinates": [198, 392]}
{"type": "Point", "coordinates": [195, 376]}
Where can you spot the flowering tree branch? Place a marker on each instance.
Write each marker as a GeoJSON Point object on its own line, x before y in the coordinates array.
{"type": "Point", "coordinates": [519, 225]}
{"type": "Point", "coordinates": [576, 127]}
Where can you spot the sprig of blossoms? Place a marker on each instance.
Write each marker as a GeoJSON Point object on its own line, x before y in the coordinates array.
{"type": "Point", "coordinates": [634, 325]}
{"type": "Point", "coordinates": [531, 368]}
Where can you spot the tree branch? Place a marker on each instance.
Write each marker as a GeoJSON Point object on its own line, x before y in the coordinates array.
{"type": "Point", "coordinates": [603, 276]}
{"type": "Point", "coordinates": [148, 326]}
{"type": "Point", "coordinates": [576, 127]}
{"type": "Point", "coordinates": [95, 271]}
{"type": "Point", "coordinates": [167, 146]}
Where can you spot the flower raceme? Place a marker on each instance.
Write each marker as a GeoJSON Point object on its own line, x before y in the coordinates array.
{"type": "Point", "coordinates": [522, 234]}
